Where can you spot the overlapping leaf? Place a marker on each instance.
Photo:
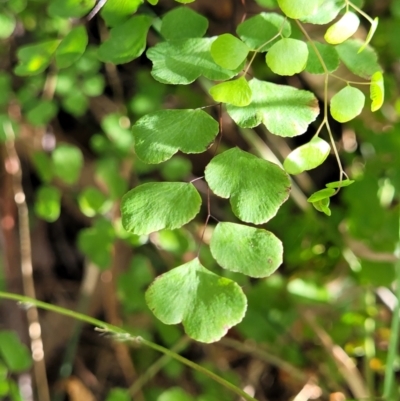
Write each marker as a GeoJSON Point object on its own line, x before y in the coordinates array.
{"type": "Point", "coordinates": [207, 305]}
{"type": "Point", "coordinates": [159, 135]}
{"type": "Point", "coordinates": [256, 187]}
{"type": "Point", "coordinates": [287, 56]}
{"type": "Point", "coordinates": [228, 51]}
{"type": "Point", "coordinates": [183, 23]}
{"type": "Point", "coordinates": [299, 8]}
{"type": "Point", "coordinates": [343, 29]}
{"type": "Point", "coordinates": [260, 29]}
{"type": "Point", "coordinates": [248, 250]}
{"type": "Point", "coordinates": [116, 12]}
{"type": "Point", "coordinates": [180, 62]}
{"type": "Point", "coordinates": [307, 156]}
{"type": "Point", "coordinates": [126, 42]}
{"type": "Point", "coordinates": [71, 47]}
{"type": "Point", "coordinates": [70, 8]}
{"type": "Point", "coordinates": [35, 58]}
{"type": "Point", "coordinates": [326, 12]}
{"type": "Point", "coordinates": [236, 92]}
{"type": "Point", "coordinates": [329, 56]}
{"type": "Point", "coordinates": [363, 64]}
{"type": "Point", "coordinates": [156, 205]}
{"type": "Point", "coordinates": [285, 111]}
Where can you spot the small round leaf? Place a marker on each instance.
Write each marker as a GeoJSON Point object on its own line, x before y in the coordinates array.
{"type": "Point", "coordinates": [228, 51]}
{"type": "Point", "coordinates": [342, 29]}
{"type": "Point", "coordinates": [157, 205]}
{"type": "Point", "coordinates": [287, 57]}
{"type": "Point", "coordinates": [347, 104]}
{"type": "Point", "coordinates": [307, 157]}
{"type": "Point", "coordinates": [248, 250]}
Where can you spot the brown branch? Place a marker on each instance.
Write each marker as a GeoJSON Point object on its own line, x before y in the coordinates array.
{"type": "Point", "coordinates": [13, 167]}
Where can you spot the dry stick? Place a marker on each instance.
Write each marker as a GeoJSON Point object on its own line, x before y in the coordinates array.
{"type": "Point", "coordinates": [14, 168]}
{"type": "Point", "coordinates": [345, 364]}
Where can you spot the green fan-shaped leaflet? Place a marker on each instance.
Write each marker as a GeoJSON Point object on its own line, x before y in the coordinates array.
{"type": "Point", "coordinates": [322, 194]}
{"type": "Point", "coordinates": [285, 111]}
{"type": "Point", "coordinates": [67, 162]}
{"type": "Point", "coordinates": [329, 56]}
{"type": "Point", "coordinates": [71, 47]}
{"type": "Point", "coordinates": [299, 8]}
{"type": "Point", "coordinates": [207, 305]}
{"type": "Point", "coordinates": [70, 8]}
{"type": "Point", "coordinates": [183, 23]}
{"type": "Point", "coordinates": [248, 250]}
{"type": "Point", "coordinates": [157, 205]}
{"type": "Point", "coordinates": [115, 12]}
{"type": "Point", "coordinates": [34, 59]}
{"type": "Point", "coordinates": [340, 184]}
{"type": "Point", "coordinates": [159, 135]}
{"type": "Point", "coordinates": [363, 64]}
{"type": "Point", "coordinates": [307, 156]}
{"type": "Point", "coordinates": [236, 92]}
{"type": "Point", "coordinates": [15, 355]}
{"type": "Point", "coordinates": [96, 243]}
{"type": "Point", "coordinates": [126, 42]}
{"type": "Point", "coordinates": [256, 187]}
{"type": "Point", "coordinates": [228, 51]}
{"type": "Point", "coordinates": [180, 62]}
{"type": "Point", "coordinates": [377, 91]}
{"type": "Point", "coordinates": [347, 104]}
{"type": "Point", "coordinates": [287, 56]}
{"type": "Point", "coordinates": [48, 203]}
{"type": "Point", "coordinates": [342, 29]}
{"type": "Point", "coordinates": [262, 28]}
{"type": "Point", "coordinates": [7, 25]}
{"type": "Point", "coordinates": [326, 12]}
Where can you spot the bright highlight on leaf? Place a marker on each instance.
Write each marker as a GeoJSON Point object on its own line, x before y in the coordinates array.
{"type": "Point", "coordinates": [342, 29]}
{"type": "Point", "coordinates": [116, 12]}
{"type": "Point", "coordinates": [207, 305]}
{"type": "Point", "coordinates": [339, 184]}
{"type": "Point", "coordinates": [71, 47]}
{"type": "Point", "coordinates": [34, 59]}
{"type": "Point", "coordinates": [228, 51]}
{"type": "Point", "coordinates": [297, 9]}
{"type": "Point", "coordinates": [159, 135]}
{"type": "Point", "coordinates": [260, 29]}
{"type": "Point", "coordinates": [287, 57]}
{"type": "Point", "coordinates": [347, 104]}
{"type": "Point", "coordinates": [48, 203]}
{"type": "Point", "coordinates": [322, 194]}
{"type": "Point", "coordinates": [247, 250]}
{"type": "Point", "coordinates": [180, 62]}
{"type": "Point", "coordinates": [183, 23]}
{"type": "Point", "coordinates": [126, 42]}
{"type": "Point", "coordinates": [377, 91]}
{"type": "Point", "coordinates": [157, 205]}
{"type": "Point", "coordinates": [236, 92]}
{"type": "Point", "coordinates": [307, 157]}
{"type": "Point", "coordinates": [285, 111]}
{"type": "Point", "coordinates": [326, 12]}
{"type": "Point", "coordinates": [256, 187]}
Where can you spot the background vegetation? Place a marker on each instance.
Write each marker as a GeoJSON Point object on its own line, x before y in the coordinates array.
{"type": "Point", "coordinates": [320, 327]}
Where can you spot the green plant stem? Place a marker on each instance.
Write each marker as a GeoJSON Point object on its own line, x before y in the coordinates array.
{"type": "Point", "coordinates": [125, 335]}
{"type": "Point", "coordinates": [393, 342]}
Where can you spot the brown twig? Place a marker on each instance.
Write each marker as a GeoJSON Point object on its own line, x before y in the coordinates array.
{"type": "Point", "coordinates": [13, 167]}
